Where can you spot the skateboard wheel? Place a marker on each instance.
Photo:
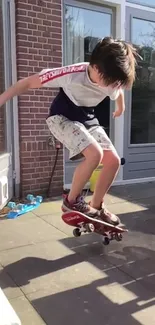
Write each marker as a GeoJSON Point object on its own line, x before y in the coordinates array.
{"type": "Point", "coordinates": [76, 232]}
{"type": "Point", "coordinates": [118, 237]}
{"type": "Point", "coordinates": [89, 227]}
{"type": "Point", "coordinates": [106, 241]}
{"type": "Point", "coordinates": [39, 198]}
{"type": "Point", "coordinates": [30, 197]}
{"type": "Point", "coordinates": [20, 206]}
{"type": "Point", "coordinates": [11, 205]}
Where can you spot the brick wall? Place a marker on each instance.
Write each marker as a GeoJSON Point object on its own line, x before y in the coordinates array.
{"type": "Point", "coordinates": [39, 45]}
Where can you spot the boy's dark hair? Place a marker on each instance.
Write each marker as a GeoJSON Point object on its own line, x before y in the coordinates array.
{"type": "Point", "coordinates": [115, 61]}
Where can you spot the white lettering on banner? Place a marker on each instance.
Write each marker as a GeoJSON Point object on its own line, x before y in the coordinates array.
{"type": "Point", "coordinates": [50, 75]}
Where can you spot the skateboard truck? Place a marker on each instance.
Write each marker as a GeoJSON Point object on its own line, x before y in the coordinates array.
{"type": "Point", "coordinates": [88, 227]}
{"type": "Point", "coordinates": [113, 236]}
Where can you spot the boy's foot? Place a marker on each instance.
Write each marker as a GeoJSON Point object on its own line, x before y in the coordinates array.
{"type": "Point", "coordinates": [108, 216]}
{"type": "Point", "coordinates": [81, 206]}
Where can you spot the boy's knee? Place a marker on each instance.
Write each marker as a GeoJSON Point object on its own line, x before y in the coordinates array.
{"type": "Point", "coordinates": [117, 160]}
{"type": "Point", "coordinates": [111, 158]}
{"type": "Point", "coordinates": [94, 154]}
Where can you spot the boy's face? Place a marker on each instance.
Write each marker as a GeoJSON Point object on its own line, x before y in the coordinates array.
{"type": "Point", "coordinates": [98, 79]}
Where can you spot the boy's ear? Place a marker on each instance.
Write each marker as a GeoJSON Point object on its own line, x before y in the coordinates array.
{"type": "Point", "coordinates": [95, 67]}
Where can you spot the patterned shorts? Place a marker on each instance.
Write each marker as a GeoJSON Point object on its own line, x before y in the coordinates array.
{"type": "Point", "coordinates": [75, 137]}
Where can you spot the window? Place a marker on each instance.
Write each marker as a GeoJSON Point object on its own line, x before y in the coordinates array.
{"type": "Point", "coordinates": [82, 34]}
{"type": "Point", "coordinates": [143, 93]}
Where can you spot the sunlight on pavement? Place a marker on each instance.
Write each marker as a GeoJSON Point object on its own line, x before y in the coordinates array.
{"type": "Point", "coordinates": [145, 316]}
{"type": "Point", "coordinates": [117, 294]}
{"type": "Point", "coordinates": [144, 302]}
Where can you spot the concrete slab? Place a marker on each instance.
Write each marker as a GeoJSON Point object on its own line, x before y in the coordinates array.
{"type": "Point", "coordinates": [133, 191]}
{"type": "Point", "coordinates": [55, 220]}
{"type": "Point", "coordinates": [36, 267]}
{"type": "Point", "coordinates": [47, 208]}
{"type": "Point", "coordinates": [26, 312]}
{"type": "Point", "coordinates": [24, 231]}
{"type": "Point", "coordinates": [143, 271]}
{"type": "Point", "coordinates": [8, 286]}
{"type": "Point", "coordinates": [78, 280]}
{"type": "Point", "coordinates": [114, 298]}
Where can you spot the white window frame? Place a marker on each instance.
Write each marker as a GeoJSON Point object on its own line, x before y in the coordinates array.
{"type": "Point", "coordinates": [11, 77]}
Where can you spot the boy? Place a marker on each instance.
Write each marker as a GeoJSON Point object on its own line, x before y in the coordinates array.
{"type": "Point", "coordinates": [72, 120]}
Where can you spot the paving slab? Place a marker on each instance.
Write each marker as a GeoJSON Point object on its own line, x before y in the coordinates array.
{"type": "Point", "coordinates": [37, 267]}
{"type": "Point", "coordinates": [26, 312]}
{"type": "Point", "coordinates": [133, 191]}
{"type": "Point", "coordinates": [50, 277]}
{"type": "Point", "coordinates": [113, 299]}
{"type": "Point", "coordinates": [48, 208]}
{"type": "Point", "coordinates": [24, 231]}
{"type": "Point", "coordinates": [8, 286]}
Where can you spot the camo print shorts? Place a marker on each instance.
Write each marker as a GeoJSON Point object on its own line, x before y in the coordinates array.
{"type": "Point", "coordinates": [75, 137]}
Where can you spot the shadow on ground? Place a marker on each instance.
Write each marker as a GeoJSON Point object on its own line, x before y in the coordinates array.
{"type": "Point", "coordinates": [124, 293]}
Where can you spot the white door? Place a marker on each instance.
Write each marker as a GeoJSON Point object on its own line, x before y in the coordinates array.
{"type": "Point", "coordinates": [6, 137]}
{"type": "Point", "coordinates": [84, 25]}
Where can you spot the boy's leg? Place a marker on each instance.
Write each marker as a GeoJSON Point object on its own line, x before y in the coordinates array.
{"type": "Point", "coordinates": [93, 155]}
{"type": "Point", "coordinates": [111, 163]}
{"type": "Point", "coordinates": [78, 140]}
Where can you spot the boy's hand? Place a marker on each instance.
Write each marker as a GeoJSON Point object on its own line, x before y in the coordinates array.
{"type": "Point", "coordinates": [118, 112]}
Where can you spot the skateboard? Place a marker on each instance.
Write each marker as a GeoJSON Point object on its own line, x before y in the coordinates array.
{"type": "Point", "coordinates": [19, 209]}
{"type": "Point", "coordinates": [85, 224]}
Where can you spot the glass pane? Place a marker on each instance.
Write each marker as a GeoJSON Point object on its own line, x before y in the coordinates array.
{"type": "Point", "coordinates": [149, 3]}
{"type": "Point", "coordinates": [2, 80]}
{"type": "Point", "coordinates": [81, 34]}
{"type": "Point", "coordinates": [143, 93]}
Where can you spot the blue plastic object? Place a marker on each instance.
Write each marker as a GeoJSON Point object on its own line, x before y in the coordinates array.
{"type": "Point", "coordinates": [30, 197]}
{"type": "Point", "coordinates": [18, 210]}
{"type": "Point", "coordinates": [11, 205]}
{"type": "Point", "coordinates": [39, 199]}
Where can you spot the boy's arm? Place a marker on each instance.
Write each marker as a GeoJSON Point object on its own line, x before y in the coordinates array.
{"type": "Point", "coordinates": [51, 78]}
{"type": "Point", "coordinates": [20, 87]}
{"type": "Point", "coordinates": [120, 102]}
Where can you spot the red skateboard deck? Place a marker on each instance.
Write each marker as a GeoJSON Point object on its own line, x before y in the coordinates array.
{"type": "Point", "coordinates": [86, 224]}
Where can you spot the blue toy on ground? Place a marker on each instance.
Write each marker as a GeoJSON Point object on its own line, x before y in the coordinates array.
{"type": "Point", "coordinates": [19, 209]}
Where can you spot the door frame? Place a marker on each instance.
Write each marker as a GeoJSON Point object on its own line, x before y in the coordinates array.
{"type": "Point", "coordinates": [11, 107]}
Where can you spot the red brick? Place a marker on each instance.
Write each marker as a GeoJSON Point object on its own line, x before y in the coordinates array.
{"type": "Point", "coordinates": [32, 38]}
{"type": "Point", "coordinates": [31, 13]}
{"type": "Point", "coordinates": [25, 18]}
{"type": "Point", "coordinates": [33, 51]}
{"type": "Point", "coordinates": [56, 12]}
{"type": "Point", "coordinates": [36, 33]}
{"type": "Point", "coordinates": [21, 24]}
{"type": "Point", "coordinates": [39, 45]}
{"type": "Point", "coordinates": [37, 8]}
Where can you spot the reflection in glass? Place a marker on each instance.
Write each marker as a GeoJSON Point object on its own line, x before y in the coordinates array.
{"type": "Point", "coordinates": [82, 32]}
{"type": "Point", "coordinates": [143, 93]}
